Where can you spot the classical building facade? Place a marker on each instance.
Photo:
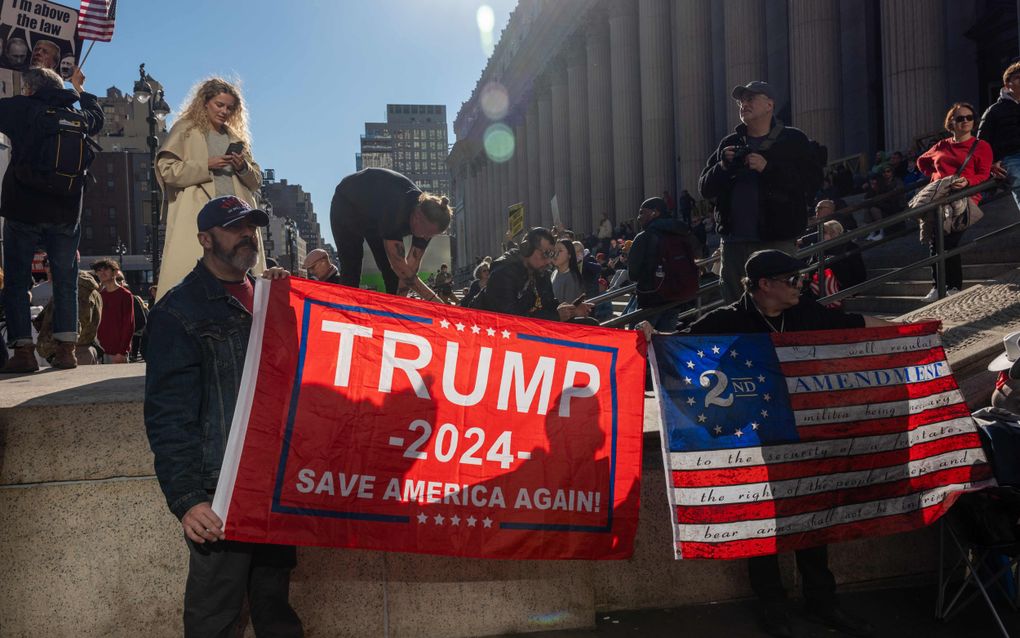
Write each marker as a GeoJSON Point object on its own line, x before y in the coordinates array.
{"type": "Point", "coordinates": [588, 106]}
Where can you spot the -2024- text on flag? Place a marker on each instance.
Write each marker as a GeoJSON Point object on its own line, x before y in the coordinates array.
{"type": "Point", "coordinates": [777, 442]}
{"type": "Point", "coordinates": [374, 421]}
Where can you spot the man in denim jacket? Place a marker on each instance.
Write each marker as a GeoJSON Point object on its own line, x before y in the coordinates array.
{"type": "Point", "coordinates": [196, 338]}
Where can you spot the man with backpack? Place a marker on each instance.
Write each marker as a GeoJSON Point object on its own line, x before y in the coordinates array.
{"type": "Point", "coordinates": [661, 262]}
{"type": "Point", "coordinates": [41, 203]}
{"type": "Point", "coordinates": [759, 178]}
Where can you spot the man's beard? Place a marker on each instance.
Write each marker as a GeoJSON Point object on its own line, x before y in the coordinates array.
{"type": "Point", "coordinates": [237, 257]}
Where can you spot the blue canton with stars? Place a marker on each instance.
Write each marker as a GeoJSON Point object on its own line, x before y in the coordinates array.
{"type": "Point", "coordinates": [720, 392]}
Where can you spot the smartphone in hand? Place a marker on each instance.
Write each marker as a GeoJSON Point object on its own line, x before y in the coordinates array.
{"type": "Point", "coordinates": [235, 148]}
{"type": "Point", "coordinates": [579, 300]}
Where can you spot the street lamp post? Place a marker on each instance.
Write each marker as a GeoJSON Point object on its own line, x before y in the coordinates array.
{"type": "Point", "coordinates": [158, 110]}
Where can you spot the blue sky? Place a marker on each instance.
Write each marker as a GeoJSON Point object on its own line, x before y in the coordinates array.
{"type": "Point", "coordinates": [312, 71]}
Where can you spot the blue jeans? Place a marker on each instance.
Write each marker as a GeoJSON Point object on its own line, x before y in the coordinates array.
{"type": "Point", "coordinates": [61, 244]}
{"type": "Point", "coordinates": [1012, 164]}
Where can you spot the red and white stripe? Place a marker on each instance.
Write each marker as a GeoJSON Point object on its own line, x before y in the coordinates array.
{"type": "Point", "coordinates": [887, 443]}
{"type": "Point", "coordinates": [95, 20]}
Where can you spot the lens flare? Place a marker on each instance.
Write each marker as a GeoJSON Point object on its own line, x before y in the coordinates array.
{"type": "Point", "coordinates": [499, 142]}
{"type": "Point", "coordinates": [495, 101]}
{"type": "Point", "coordinates": [486, 20]}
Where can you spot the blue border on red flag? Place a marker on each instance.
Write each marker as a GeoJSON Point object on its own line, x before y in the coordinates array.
{"type": "Point", "coordinates": [392, 518]}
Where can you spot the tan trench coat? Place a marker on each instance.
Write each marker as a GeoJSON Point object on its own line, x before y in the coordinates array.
{"type": "Point", "coordinates": [182, 168]}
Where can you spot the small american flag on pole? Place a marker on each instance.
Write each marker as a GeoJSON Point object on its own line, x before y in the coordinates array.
{"type": "Point", "coordinates": [777, 442]}
{"type": "Point", "coordinates": [95, 20]}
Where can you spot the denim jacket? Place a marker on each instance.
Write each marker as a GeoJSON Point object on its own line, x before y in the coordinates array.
{"type": "Point", "coordinates": [196, 339]}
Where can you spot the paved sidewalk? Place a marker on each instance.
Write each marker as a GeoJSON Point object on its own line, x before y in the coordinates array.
{"type": "Point", "coordinates": [902, 612]}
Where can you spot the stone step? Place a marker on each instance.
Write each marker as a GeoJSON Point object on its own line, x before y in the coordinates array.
{"type": "Point", "coordinates": [980, 272]}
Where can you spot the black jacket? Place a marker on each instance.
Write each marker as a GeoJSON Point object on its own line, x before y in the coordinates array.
{"type": "Point", "coordinates": [514, 290]}
{"type": "Point", "coordinates": [17, 201]}
{"type": "Point", "coordinates": [792, 172]}
{"type": "Point", "coordinates": [1000, 127]}
{"type": "Point", "coordinates": [644, 252]}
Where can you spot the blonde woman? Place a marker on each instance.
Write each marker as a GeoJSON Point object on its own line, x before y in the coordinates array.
{"type": "Point", "coordinates": [206, 155]}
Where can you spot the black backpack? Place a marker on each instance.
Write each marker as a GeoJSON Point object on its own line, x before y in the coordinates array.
{"type": "Point", "coordinates": [676, 275]}
{"type": "Point", "coordinates": [57, 152]}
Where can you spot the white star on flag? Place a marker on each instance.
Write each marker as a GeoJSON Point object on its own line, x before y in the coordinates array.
{"type": "Point", "coordinates": [734, 354]}
{"type": "Point", "coordinates": [701, 353]}
{"type": "Point", "coordinates": [444, 323]}
{"type": "Point", "coordinates": [506, 334]}
{"type": "Point", "coordinates": [767, 396]}
{"type": "Point", "coordinates": [438, 518]}
{"type": "Point", "coordinates": [422, 518]}
{"type": "Point", "coordinates": [471, 520]}
{"type": "Point", "coordinates": [738, 433]}
{"type": "Point", "coordinates": [761, 378]}
{"type": "Point", "coordinates": [764, 414]}
{"type": "Point", "coordinates": [475, 329]}
{"type": "Point", "coordinates": [690, 364]}
{"type": "Point", "coordinates": [490, 332]}
{"type": "Point", "coordinates": [460, 326]}
{"type": "Point", "coordinates": [690, 401]}
{"type": "Point", "coordinates": [454, 520]}
{"type": "Point", "coordinates": [702, 418]}
{"type": "Point", "coordinates": [687, 380]}
{"type": "Point", "coordinates": [717, 429]}
{"type": "Point", "coordinates": [748, 363]}
{"type": "Point", "coordinates": [487, 522]}
{"type": "Point", "coordinates": [715, 349]}
{"type": "Point", "coordinates": [754, 425]}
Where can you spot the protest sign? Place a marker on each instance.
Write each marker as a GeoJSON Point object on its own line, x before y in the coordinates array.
{"type": "Point", "coordinates": [515, 219]}
{"type": "Point", "coordinates": [374, 421]}
{"type": "Point", "coordinates": [776, 442]}
{"type": "Point", "coordinates": [24, 24]}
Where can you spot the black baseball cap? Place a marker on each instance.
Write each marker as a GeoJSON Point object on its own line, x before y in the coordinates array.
{"type": "Point", "coordinates": [757, 86]}
{"type": "Point", "coordinates": [657, 204]}
{"type": "Point", "coordinates": [770, 263]}
{"type": "Point", "coordinates": [224, 211]}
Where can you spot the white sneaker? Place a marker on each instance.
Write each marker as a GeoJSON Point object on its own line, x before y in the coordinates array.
{"type": "Point", "coordinates": [952, 291]}
{"type": "Point", "coordinates": [879, 235]}
{"type": "Point", "coordinates": [932, 295]}
{"type": "Point", "coordinates": [870, 237]}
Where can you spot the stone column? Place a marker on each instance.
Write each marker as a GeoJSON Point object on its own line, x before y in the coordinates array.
{"type": "Point", "coordinates": [485, 199]}
{"type": "Point", "coordinates": [656, 97]}
{"type": "Point", "coordinates": [533, 209]}
{"type": "Point", "coordinates": [746, 55]}
{"type": "Point", "coordinates": [561, 142]}
{"type": "Point", "coordinates": [521, 160]}
{"type": "Point", "coordinates": [503, 177]}
{"type": "Point", "coordinates": [545, 156]}
{"type": "Point", "coordinates": [914, 82]}
{"type": "Point", "coordinates": [815, 72]}
{"type": "Point", "coordinates": [511, 170]}
{"type": "Point", "coordinates": [600, 118]}
{"type": "Point", "coordinates": [626, 105]}
{"type": "Point", "coordinates": [692, 75]}
{"type": "Point", "coordinates": [472, 221]}
{"type": "Point", "coordinates": [580, 178]}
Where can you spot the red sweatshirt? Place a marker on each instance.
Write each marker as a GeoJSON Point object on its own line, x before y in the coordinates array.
{"type": "Point", "coordinates": [117, 322]}
{"type": "Point", "coordinates": [942, 160]}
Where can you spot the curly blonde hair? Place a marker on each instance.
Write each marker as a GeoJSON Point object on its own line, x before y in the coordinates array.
{"type": "Point", "coordinates": [193, 110]}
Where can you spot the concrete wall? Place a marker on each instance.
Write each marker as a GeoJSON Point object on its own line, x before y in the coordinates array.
{"type": "Point", "coordinates": [88, 547]}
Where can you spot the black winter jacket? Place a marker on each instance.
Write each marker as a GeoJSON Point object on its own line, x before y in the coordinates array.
{"type": "Point", "coordinates": [791, 173]}
{"type": "Point", "coordinates": [1000, 127]}
{"type": "Point", "coordinates": [16, 113]}
{"type": "Point", "coordinates": [644, 252]}
{"type": "Point", "coordinates": [513, 291]}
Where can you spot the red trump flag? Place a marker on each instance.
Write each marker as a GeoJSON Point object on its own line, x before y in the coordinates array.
{"type": "Point", "coordinates": [373, 421]}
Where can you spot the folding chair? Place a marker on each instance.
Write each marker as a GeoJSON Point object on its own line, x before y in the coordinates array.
{"type": "Point", "coordinates": [980, 528]}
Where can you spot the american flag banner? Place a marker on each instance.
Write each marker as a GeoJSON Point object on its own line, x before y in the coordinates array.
{"type": "Point", "coordinates": [777, 442]}
{"type": "Point", "coordinates": [95, 20]}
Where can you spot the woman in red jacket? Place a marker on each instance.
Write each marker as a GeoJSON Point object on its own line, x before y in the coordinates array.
{"type": "Point", "coordinates": [942, 160]}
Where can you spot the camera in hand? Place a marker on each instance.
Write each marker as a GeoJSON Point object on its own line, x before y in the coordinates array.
{"type": "Point", "coordinates": [740, 154]}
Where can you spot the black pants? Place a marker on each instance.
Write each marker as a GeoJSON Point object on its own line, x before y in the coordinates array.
{"type": "Point", "coordinates": [954, 265]}
{"type": "Point", "coordinates": [813, 563]}
{"type": "Point", "coordinates": [219, 576]}
{"type": "Point", "coordinates": [350, 247]}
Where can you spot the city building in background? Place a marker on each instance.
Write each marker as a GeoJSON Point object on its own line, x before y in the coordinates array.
{"type": "Point", "coordinates": [294, 227]}
{"type": "Point", "coordinates": [116, 211]}
{"type": "Point", "coordinates": [412, 141]}
{"type": "Point", "coordinates": [601, 103]}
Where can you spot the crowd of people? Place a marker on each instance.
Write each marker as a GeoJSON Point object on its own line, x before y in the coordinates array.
{"type": "Point", "coordinates": [762, 181]}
